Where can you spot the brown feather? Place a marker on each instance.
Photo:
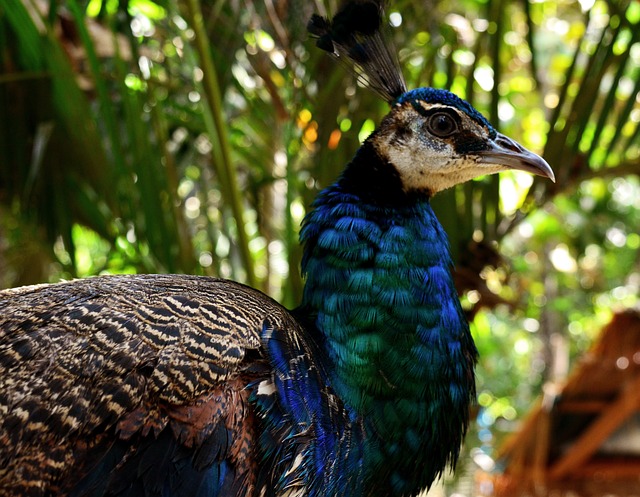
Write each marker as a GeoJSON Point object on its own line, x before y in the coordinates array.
{"type": "Point", "coordinates": [129, 355]}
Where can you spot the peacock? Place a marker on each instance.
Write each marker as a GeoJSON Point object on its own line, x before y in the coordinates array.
{"type": "Point", "coordinates": [184, 386]}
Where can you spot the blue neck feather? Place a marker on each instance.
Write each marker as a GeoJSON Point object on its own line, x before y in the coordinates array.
{"type": "Point", "coordinates": [397, 347]}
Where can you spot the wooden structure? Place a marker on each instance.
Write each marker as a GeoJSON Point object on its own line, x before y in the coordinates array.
{"type": "Point", "coordinates": [583, 440]}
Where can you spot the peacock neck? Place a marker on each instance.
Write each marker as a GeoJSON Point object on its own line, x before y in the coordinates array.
{"type": "Point", "coordinates": [399, 352]}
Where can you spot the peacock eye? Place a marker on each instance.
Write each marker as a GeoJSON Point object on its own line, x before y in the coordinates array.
{"type": "Point", "coordinates": [442, 124]}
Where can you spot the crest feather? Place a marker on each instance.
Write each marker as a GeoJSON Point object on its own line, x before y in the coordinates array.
{"type": "Point", "coordinates": [355, 37]}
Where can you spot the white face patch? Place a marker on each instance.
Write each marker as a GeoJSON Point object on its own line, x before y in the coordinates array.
{"type": "Point", "coordinates": [424, 161]}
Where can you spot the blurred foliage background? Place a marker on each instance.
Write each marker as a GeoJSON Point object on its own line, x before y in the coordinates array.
{"type": "Point", "coordinates": [190, 137]}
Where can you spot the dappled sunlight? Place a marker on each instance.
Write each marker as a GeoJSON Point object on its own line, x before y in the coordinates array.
{"type": "Point", "coordinates": [165, 140]}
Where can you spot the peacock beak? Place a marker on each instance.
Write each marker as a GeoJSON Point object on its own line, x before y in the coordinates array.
{"type": "Point", "coordinates": [508, 153]}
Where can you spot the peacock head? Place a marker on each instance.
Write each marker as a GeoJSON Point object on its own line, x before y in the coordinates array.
{"type": "Point", "coordinates": [436, 140]}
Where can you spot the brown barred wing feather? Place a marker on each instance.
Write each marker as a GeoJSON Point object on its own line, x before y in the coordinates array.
{"type": "Point", "coordinates": [98, 375]}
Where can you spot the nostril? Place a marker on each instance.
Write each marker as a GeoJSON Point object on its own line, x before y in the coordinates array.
{"type": "Point", "coordinates": [507, 144]}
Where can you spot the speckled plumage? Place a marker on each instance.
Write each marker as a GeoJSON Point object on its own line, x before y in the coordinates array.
{"type": "Point", "coordinates": [87, 362]}
{"type": "Point", "coordinates": [181, 386]}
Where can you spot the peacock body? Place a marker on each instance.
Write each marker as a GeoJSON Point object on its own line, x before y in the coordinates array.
{"type": "Point", "coordinates": [189, 386]}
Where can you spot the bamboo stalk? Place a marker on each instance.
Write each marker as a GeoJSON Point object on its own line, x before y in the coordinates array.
{"type": "Point", "coordinates": [224, 168]}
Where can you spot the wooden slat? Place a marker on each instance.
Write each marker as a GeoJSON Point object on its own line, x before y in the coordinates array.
{"type": "Point", "coordinates": [521, 440]}
{"type": "Point", "coordinates": [609, 469]}
{"type": "Point", "coordinates": [582, 406]}
{"type": "Point", "coordinates": [541, 447]}
{"type": "Point", "coordinates": [605, 424]}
